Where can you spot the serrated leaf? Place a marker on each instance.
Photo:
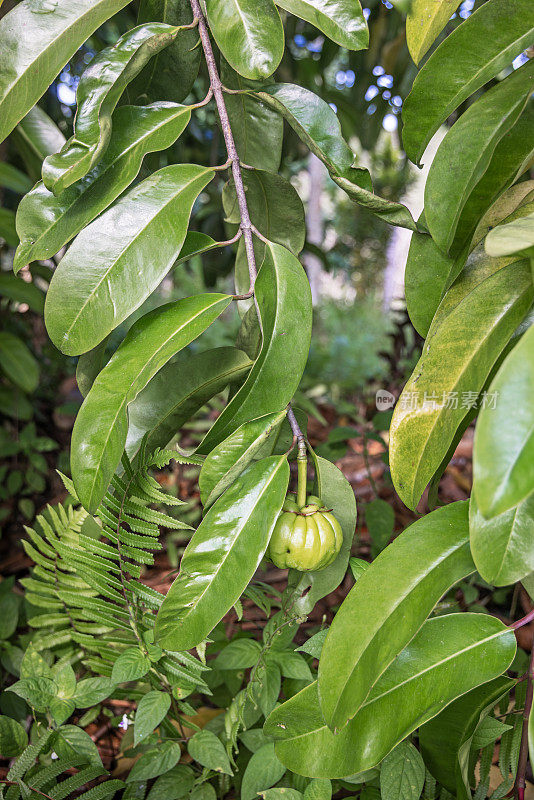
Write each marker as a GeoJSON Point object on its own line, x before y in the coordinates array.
{"type": "Point", "coordinates": [13, 737]}
{"type": "Point", "coordinates": [209, 751]}
{"type": "Point", "coordinates": [131, 665]}
{"type": "Point", "coordinates": [342, 20]}
{"type": "Point", "coordinates": [223, 555]}
{"type": "Point", "coordinates": [372, 627]}
{"type": "Point", "coordinates": [89, 296]}
{"type": "Point", "coordinates": [448, 657]}
{"type": "Point", "coordinates": [96, 450]}
{"type": "Point", "coordinates": [91, 691]}
{"type": "Point", "coordinates": [402, 773]}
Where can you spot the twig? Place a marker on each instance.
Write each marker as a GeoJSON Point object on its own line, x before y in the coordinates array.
{"type": "Point", "coordinates": [520, 783]}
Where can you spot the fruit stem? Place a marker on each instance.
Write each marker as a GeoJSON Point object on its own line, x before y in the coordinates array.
{"type": "Point", "coordinates": [302, 475]}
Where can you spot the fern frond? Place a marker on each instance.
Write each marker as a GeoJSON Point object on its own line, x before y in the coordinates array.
{"type": "Point", "coordinates": [27, 757]}
{"type": "Point", "coordinates": [160, 458]}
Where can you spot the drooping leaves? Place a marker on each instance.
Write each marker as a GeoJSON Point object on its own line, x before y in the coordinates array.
{"type": "Point", "coordinates": [223, 555]}
{"type": "Point", "coordinates": [342, 20]}
{"type": "Point", "coordinates": [471, 328]}
{"type": "Point", "coordinates": [283, 295]}
{"type": "Point", "coordinates": [474, 53]}
{"type": "Point", "coordinates": [447, 658]}
{"type": "Point", "coordinates": [46, 223]}
{"type": "Point", "coordinates": [424, 22]}
{"type": "Point", "coordinates": [36, 41]}
{"type": "Point", "coordinates": [503, 455]}
{"type": "Point", "coordinates": [149, 344]}
{"type": "Point", "coordinates": [98, 92]}
{"type": "Point", "coordinates": [90, 295]}
{"type": "Point", "coordinates": [372, 626]}
{"type": "Point", "coordinates": [249, 34]}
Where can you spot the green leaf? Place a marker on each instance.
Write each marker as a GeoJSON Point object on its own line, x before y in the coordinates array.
{"type": "Point", "coordinates": [503, 455]}
{"type": "Point", "coordinates": [402, 773]}
{"type": "Point", "coordinates": [380, 519]}
{"type": "Point", "coordinates": [318, 789]}
{"type": "Point", "coordinates": [209, 751]}
{"type": "Point", "coordinates": [172, 72]}
{"type": "Point", "coordinates": [228, 460]}
{"type": "Point", "coordinates": [274, 206]}
{"type": "Point", "coordinates": [151, 710]}
{"type": "Point", "coordinates": [424, 22]}
{"type": "Point", "coordinates": [89, 365]}
{"type": "Point", "coordinates": [155, 762]}
{"type": "Point", "coordinates": [36, 40]}
{"type": "Point", "coordinates": [88, 298]}
{"type": "Point", "coordinates": [355, 184]}
{"type": "Point", "coordinates": [337, 493]}
{"type": "Point", "coordinates": [175, 784]}
{"type": "Point", "coordinates": [178, 391]}
{"type": "Point", "coordinates": [101, 427]}
{"type": "Point", "coordinates": [283, 296]}
{"type": "Point", "coordinates": [315, 643]}
{"type": "Point", "coordinates": [71, 741]}
{"type": "Point", "coordinates": [266, 686]}
{"type": "Point", "coordinates": [91, 691]}
{"type": "Point", "coordinates": [8, 230]}
{"type": "Point", "coordinates": [13, 179]}
{"type": "Point", "coordinates": [488, 731]}
{"type": "Point", "coordinates": [342, 20]}
{"type": "Point", "coordinates": [37, 136]}
{"type": "Point", "coordinates": [446, 740]}
{"type": "Point", "coordinates": [17, 362]}
{"type": "Point", "coordinates": [281, 794]}
{"type": "Point", "coordinates": [502, 546]}
{"type": "Point", "coordinates": [449, 656]}
{"type": "Point", "coordinates": [466, 152]}
{"type": "Point", "coordinates": [372, 626]}
{"type": "Point", "coordinates": [131, 665]}
{"type": "Point", "coordinates": [249, 34]}
{"type": "Point", "coordinates": [223, 555]}
{"type": "Point", "coordinates": [291, 664]}
{"type": "Point", "coordinates": [258, 130]}
{"type": "Point", "coordinates": [18, 290]}
{"type": "Point", "coordinates": [263, 770]}
{"type": "Point", "coordinates": [97, 94]}
{"type": "Point", "coordinates": [510, 238]}
{"type": "Point", "coordinates": [13, 737]}
{"type": "Point", "coordinates": [476, 51]}
{"type": "Point", "coordinates": [45, 223]}
{"type": "Point", "coordinates": [38, 692]}
{"type": "Point", "coordinates": [470, 329]}
{"type": "Point", "coordinates": [239, 654]}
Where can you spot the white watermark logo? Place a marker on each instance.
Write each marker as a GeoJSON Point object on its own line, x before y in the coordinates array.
{"type": "Point", "coordinates": [384, 400]}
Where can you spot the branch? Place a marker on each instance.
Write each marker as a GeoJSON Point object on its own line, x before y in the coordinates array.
{"type": "Point", "coordinates": [520, 783]}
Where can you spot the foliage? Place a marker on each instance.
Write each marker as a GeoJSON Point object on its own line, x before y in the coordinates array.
{"type": "Point", "coordinates": [366, 701]}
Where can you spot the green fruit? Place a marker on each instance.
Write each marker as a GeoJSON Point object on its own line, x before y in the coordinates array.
{"type": "Point", "coordinates": [305, 539]}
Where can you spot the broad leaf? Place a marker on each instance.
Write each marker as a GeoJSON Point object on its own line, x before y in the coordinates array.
{"type": "Point", "coordinates": [155, 761]}
{"type": "Point", "coordinates": [151, 710]}
{"type": "Point", "coordinates": [402, 773]}
{"type": "Point", "coordinates": [231, 457]}
{"type": "Point", "coordinates": [98, 92]}
{"type": "Point", "coordinates": [466, 152]}
{"type": "Point", "coordinates": [263, 770]}
{"type": "Point", "coordinates": [172, 72]}
{"type": "Point", "coordinates": [178, 391]}
{"type": "Point", "coordinates": [341, 20]}
{"type": "Point", "coordinates": [91, 691]}
{"type": "Point", "coordinates": [249, 34]}
{"type": "Point", "coordinates": [131, 665]}
{"type": "Point", "coordinates": [174, 784]}
{"type": "Point", "coordinates": [502, 547]}
{"type": "Point", "coordinates": [357, 188]}
{"type": "Point", "coordinates": [471, 328]}
{"type": "Point", "coordinates": [36, 137]}
{"type": "Point", "coordinates": [45, 223]}
{"type": "Point", "coordinates": [90, 295]}
{"type": "Point", "coordinates": [17, 362]}
{"type": "Point", "coordinates": [425, 21]}
{"type": "Point", "coordinates": [503, 455]}
{"type": "Point", "coordinates": [512, 237]}
{"type": "Point", "coordinates": [474, 53]}
{"type": "Point", "coordinates": [274, 205]}
{"type": "Point", "coordinates": [13, 288]}
{"type": "Point", "coordinates": [372, 626]}
{"type": "Point", "coordinates": [239, 654]}
{"type": "Point", "coordinates": [446, 740]}
{"type": "Point", "coordinates": [283, 296]}
{"type": "Point", "coordinates": [37, 39]}
{"type": "Point", "coordinates": [13, 737]}
{"type": "Point", "coordinates": [101, 427]}
{"type": "Point", "coordinates": [223, 555]}
{"type": "Point", "coordinates": [447, 658]}
{"type": "Point", "coordinates": [205, 748]}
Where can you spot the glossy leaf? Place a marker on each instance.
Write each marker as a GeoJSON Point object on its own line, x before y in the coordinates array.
{"type": "Point", "coordinates": [424, 22]}
{"type": "Point", "coordinates": [249, 34]}
{"type": "Point", "coordinates": [172, 72]}
{"type": "Point", "coordinates": [178, 391]}
{"type": "Point", "coordinates": [17, 362]}
{"type": "Point", "coordinates": [151, 710]}
{"type": "Point", "coordinates": [446, 740]}
{"type": "Point", "coordinates": [362, 194]}
{"type": "Point", "coordinates": [45, 223]}
{"type": "Point", "coordinates": [447, 658]}
{"type": "Point", "coordinates": [513, 237]}
{"type": "Point", "coordinates": [262, 771]}
{"type": "Point", "coordinates": [36, 41]}
{"type": "Point", "coordinates": [152, 341]}
{"type": "Point", "coordinates": [502, 546]}
{"type": "Point", "coordinates": [342, 20]}
{"type": "Point", "coordinates": [471, 328]}
{"type": "Point", "coordinates": [37, 136]}
{"type": "Point", "coordinates": [476, 51]}
{"type": "Point", "coordinates": [89, 296]}
{"type": "Point", "coordinates": [283, 295]}
{"type": "Point", "coordinates": [89, 365]}
{"type": "Point", "coordinates": [372, 626]}
{"type": "Point", "coordinates": [337, 493]}
{"type": "Point", "coordinates": [274, 205]}
{"type": "Point", "coordinates": [231, 457]}
{"type": "Point", "coordinates": [503, 455]}
{"type": "Point", "coordinates": [466, 151]}
{"type": "Point", "coordinates": [402, 773]}
{"type": "Point", "coordinates": [223, 555]}
{"type": "Point", "coordinates": [98, 92]}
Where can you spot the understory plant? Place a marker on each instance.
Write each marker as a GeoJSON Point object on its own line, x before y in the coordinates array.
{"type": "Point", "coordinates": [398, 696]}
